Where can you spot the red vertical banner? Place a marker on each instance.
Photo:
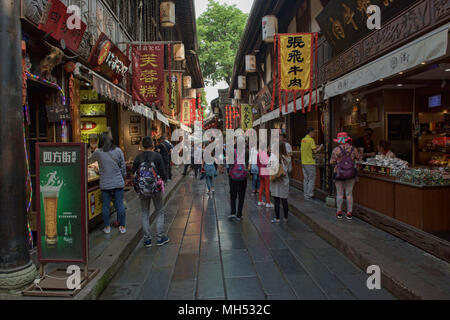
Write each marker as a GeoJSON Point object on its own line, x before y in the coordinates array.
{"type": "Point", "coordinates": [148, 73]}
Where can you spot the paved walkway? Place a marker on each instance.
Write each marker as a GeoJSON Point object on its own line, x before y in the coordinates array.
{"type": "Point", "coordinates": [210, 257]}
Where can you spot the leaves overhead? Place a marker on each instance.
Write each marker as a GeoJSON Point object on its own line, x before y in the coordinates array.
{"type": "Point", "coordinates": [220, 29]}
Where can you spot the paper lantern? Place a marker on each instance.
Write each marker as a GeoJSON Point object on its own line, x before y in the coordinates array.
{"type": "Point", "coordinates": [250, 63]}
{"type": "Point", "coordinates": [242, 82]}
{"type": "Point", "coordinates": [167, 14]}
{"type": "Point", "coordinates": [192, 94]}
{"type": "Point", "coordinates": [269, 28]}
{"type": "Point", "coordinates": [187, 82]}
{"type": "Point", "coordinates": [178, 51]}
{"type": "Point", "coordinates": [237, 94]}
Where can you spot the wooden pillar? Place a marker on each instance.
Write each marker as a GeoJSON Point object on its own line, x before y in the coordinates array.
{"type": "Point", "coordinates": [74, 87]}
{"type": "Point", "coordinates": [16, 268]}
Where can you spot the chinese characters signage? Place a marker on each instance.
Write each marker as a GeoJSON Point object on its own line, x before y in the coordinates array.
{"type": "Point", "coordinates": [148, 73]}
{"type": "Point", "coordinates": [172, 95]}
{"type": "Point", "coordinates": [345, 21]}
{"type": "Point", "coordinates": [107, 59]}
{"type": "Point", "coordinates": [58, 113]}
{"type": "Point", "coordinates": [61, 196]}
{"type": "Point", "coordinates": [246, 117]}
{"type": "Point", "coordinates": [296, 61]}
{"type": "Point", "coordinates": [55, 21]}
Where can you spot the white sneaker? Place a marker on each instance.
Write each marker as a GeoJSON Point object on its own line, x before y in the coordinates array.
{"type": "Point", "coordinates": [107, 230]}
{"type": "Point", "coordinates": [122, 230]}
{"type": "Point", "coordinates": [261, 204]}
{"type": "Point", "coordinates": [269, 205]}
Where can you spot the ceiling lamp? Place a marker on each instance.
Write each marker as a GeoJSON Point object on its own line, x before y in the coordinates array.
{"type": "Point", "coordinates": [167, 14]}
{"type": "Point", "coordinates": [269, 28]}
{"type": "Point", "coordinates": [179, 51]}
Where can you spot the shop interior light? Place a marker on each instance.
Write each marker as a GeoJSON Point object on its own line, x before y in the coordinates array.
{"type": "Point", "coordinates": [400, 85]}
{"type": "Point", "coordinates": [424, 62]}
{"type": "Point", "coordinates": [401, 72]}
{"type": "Point", "coordinates": [447, 70]}
{"type": "Point", "coordinates": [381, 79]}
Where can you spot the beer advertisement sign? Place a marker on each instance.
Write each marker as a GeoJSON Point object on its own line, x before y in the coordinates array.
{"type": "Point", "coordinates": [61, 202]}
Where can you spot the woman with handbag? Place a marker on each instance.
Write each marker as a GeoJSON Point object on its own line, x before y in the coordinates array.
{"type": "Point", "coordinates": [279, 184]}
{"type": "Point", "coordinates": [343, 157]}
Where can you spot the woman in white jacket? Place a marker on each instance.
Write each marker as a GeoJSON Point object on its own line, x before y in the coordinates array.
{"type": "Point", "coordinates": [279, 186]}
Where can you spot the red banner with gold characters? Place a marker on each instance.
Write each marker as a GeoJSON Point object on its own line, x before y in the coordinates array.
{"type": "Point", "coordinates": [148, 73]}
{"type": "Point", "coordinates": [297, 68]}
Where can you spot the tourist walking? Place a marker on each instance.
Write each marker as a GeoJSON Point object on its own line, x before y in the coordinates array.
{"type": "Point", "coordinates": [254, 170]}
{"type": "Point", "coordinates": [150, 174]}
{"type": "Point", "coordinates": [279, 184]}
{"type": "Point", "coordinates": [308, 150]}
{"type": "Point", "coordinates": [112, 170]}
{"type": "Point", "coordinates": [264, 176]}
{"type": "Point", "coordinates": [210, 172]}
{"type": "Point", "coordinates": [165, 149]}
{"type": "Point", "coordinates": [344, 157]}
{"type": "Point", "coordinates": [238, 185]}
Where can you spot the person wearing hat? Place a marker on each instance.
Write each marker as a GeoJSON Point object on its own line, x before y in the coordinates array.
{"type": "Point", "coordinates": [343, 158]}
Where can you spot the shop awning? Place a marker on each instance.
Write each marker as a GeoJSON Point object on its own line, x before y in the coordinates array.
{"type": "Point", "coordinates": [110, 90]}
{"type": "Point", "coordinates": [162, 118]}
{"type": "Point", "coordinates": [143, 110]}
{"type": "Point", "coordinates": [185, 128]}
{"type": "Point", "coordinates": [426, 48]}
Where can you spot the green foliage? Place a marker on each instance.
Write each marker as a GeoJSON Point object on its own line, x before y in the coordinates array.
{"type": "Point", "coordinates": [220, 29]}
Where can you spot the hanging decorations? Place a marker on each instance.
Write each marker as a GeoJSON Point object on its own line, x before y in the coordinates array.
{"type": "Point", "coordinates": [242, 82]}
{"type": "Point", "coordinates": [187, 82]}
{"type": "Point", "coordinates": [167, 14]}
{"type": "Point", "coordinates": [250, 63]}
{"type": "Point", "coordinates": [178, 49]}
{"type": "Point", "coordinates": [297, 57]}
{"type": "Point", "coordinates": [269, 28]}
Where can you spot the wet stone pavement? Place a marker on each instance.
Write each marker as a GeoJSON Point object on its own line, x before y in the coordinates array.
{"type": "Point", "coordinates": [210, 257]}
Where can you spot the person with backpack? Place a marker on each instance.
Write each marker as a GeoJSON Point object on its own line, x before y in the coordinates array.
{"type": "Point", "coordinates": [238, 185]}
{"type": "Point", "coordinates": [344, 157]}
{"type": "Point", "coordinates": [210, 171]}
{"type": "Point", "coordinates": [279, 183]}
{"type": "Point", "coordinates": [112, 170]}
{"type": "Point", "coordinates": [150, 175]}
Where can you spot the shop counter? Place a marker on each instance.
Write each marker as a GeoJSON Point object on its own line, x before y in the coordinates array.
{"type": "Point", "coordinates": [424, 207]}
{"type": "Point", "coordinates": [94, 200]}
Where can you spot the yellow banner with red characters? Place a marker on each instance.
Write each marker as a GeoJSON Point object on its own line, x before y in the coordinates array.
{"type": "Point", "coordinates": [296, 57]}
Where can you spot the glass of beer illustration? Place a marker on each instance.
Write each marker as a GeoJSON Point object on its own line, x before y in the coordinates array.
{"type": "Point", "coordinates": [50, 195]}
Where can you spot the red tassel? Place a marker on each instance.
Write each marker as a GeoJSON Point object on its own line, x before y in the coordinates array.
{"type": "Point", "coordinates": [303, 102]}
{"type": "Point", "coordinates": [274, 78]}
{"type": "Point", "coordinates": [310, 100]}
{"type": "Point", "coordinates": [295, 100]}
{"type": "Point", "coordinates": [279, 74]}
{"type": "Point", "coordinates": [286, 101]}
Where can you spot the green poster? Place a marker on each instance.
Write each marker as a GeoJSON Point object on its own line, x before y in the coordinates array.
{"type": "Point", "coordinates": [62, 203]}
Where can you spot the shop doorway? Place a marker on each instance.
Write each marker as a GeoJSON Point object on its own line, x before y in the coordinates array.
{"type": "Point", "coordinates": [399, 128]}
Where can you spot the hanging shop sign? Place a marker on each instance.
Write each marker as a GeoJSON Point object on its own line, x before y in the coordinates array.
{"type": "Point", "coordinates": [107, 60]}
{"type": "Point", "coordinates": [297, 57]}
{"type": "Point", "coordinates": [56, 113]}
{"type": "Point", "coordinates": [186, 113]}
{"type": "Point", "coordinates": [344, 22]}
{"type": "Point", "coordinates": [95, 203]}
{"type": "Point", "coordinates": [263, 99]}
{"type": "Point", "coordinates": [148, 73]}
{"type": "Point", "coordinates": [246, 117]}
{"type": "Point", "coordinates": [93, 109]}
{"type": "Point", "coordinates": [54, 21]}
{"type": "Point", "coordinates": [172, 94]}
{"type": "Point", "coordinates": [61, 197]}
{"type": "Point", "coordinates": [143, 110]}
{"type": "Point", "coordinates": [88, 95]}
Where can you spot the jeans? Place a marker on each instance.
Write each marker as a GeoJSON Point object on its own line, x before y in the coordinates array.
{"type": "Point", "coordinates": [346, 185]}
{"type": "Point", "coordinates": [107, 195]}
{"type": "Point", "coordinates": [237, 188]}
{"type": "Point", "coordinates": [209, 182]}
{"type": "Point", "coordinates": [255, 182]}
{"type": "Point", "coordinates": [145, 209]}
{"type": "Point", "coordinates": [309, 181]}
{"type": "Point", "coordinates": [265, 185]}
{"type": "Point", "coordinates": [277, 207]}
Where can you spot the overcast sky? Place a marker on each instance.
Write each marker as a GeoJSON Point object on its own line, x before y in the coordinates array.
{"type": "Point", "coordinates": [200, 7]}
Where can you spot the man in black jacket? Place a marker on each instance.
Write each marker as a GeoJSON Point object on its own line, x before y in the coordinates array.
{"type": "Point", "coordinates": [165, 149]}
{"type": "Point", "coordinates": [149, 156]}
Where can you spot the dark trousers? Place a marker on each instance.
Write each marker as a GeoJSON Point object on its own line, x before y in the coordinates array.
{"type": "Point", "coordinates": [277, 207]}
{"type": "Point", "coordinates": [237, 189]}
{"type": "Point", "coordinates": [195, 167]}
{"type": "Point", "coordinates": [168, 169]}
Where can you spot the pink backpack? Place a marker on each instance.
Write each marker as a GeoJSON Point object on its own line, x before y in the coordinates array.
{"type": "Point", "coordinates": [238, 172]}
